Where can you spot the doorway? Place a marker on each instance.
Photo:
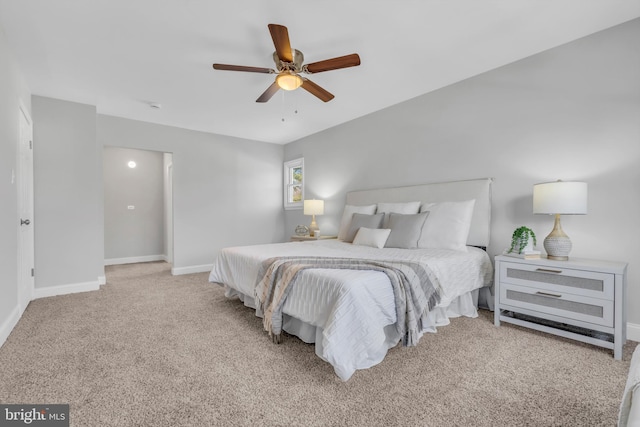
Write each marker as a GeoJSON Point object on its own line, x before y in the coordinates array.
{"type": "Point", "coordinates": [138, 205]}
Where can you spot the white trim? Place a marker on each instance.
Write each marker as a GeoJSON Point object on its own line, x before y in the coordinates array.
{"type": "Point", "coordinates": [102, 280]}
{"type": "Point", "coordinates": [167, 160]}
{"type": "Point", "coordinates": [26, 242]}
{"type": "Point", "coordinates": [72, 288]}
{"type": "Point", "coordinates": [191, 269]}
{"type": "Point", "coordinates": [9, 324]}
{"type": "Point", "coordinates": [633, 331]}
{"type": "Point", "coordinates": [135, 259]}
{"type": "Point", "coordinates": [287, 171]}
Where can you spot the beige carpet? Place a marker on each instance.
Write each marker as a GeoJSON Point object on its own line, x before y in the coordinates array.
{"type": "Point", "coordinates": [150, 349]}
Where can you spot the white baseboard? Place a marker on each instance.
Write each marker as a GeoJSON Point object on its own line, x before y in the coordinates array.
{"type": "Point", "coordinates": [7, 326]}
{"type": "Point", "coordinates": [51, 291]}
{"type": "Point", "coordinates": [633, 331]}
{"type": "Point", "coordinates": [191, 269]}
{"type": "Point", "coordinates": [135, 259]}
{"type": "Point", "coordinates": [102, 280]}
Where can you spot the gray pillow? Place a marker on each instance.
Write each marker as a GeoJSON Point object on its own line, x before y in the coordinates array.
{"type": "Point", "coordinates": [405, 230]}
{"type": "Point", "coordinates": [362, 220]}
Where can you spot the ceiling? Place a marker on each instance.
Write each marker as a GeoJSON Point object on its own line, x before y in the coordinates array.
{"type": "Point", "coordinates": [122, 55]}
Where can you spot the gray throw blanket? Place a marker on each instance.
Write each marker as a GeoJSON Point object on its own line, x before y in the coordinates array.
{"type": "Point", "coordinates": [414, 290]}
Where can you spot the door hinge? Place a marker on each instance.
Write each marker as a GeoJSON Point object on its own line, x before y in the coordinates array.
{"type": "Point", "coordinates": [32, 273]}
{"type": "Point", "coordinates": [30, 145]}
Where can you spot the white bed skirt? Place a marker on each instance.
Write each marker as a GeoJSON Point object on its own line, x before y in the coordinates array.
{"type": "Point", "coordinates": [465, 305]}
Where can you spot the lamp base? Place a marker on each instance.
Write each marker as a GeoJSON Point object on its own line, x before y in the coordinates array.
{"type": "Point", "coordinates": [558, 258]}
{"type": "Point", "coordinates": [313, 228]}
{"type": "Point", "coordinates": [557, 248]}
{"type": "Point", "coordinates": [557, 243]}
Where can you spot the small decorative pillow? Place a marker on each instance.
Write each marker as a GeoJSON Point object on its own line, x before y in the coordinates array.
{"type": "Point", "coordinates": [362, 220]}
{"type": "Point", "coordinates": [348, 212]}
{"type": "Point", "coordinates": [405, 230]}
{"type": "Point", "coordinates": [448, 225]}
{"type": "Point", "coordinates": [372, 237]}
{"type": "Point", "coordinates": [401, 208]}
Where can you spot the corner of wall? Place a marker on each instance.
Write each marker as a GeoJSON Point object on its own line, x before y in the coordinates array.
{"type": "Point", "coordinates": [9, 324]}
{"type": "Point", "coordinates": [633, 332]}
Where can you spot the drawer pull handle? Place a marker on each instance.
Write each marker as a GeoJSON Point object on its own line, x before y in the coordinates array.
{"type": "Point", "coordinates": [546, 270]}
{"type": "Point", "coordinates": [546, 294]}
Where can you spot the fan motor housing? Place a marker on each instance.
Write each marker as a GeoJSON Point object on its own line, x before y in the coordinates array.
{"type": "Point", "coordinates": [296, 65]}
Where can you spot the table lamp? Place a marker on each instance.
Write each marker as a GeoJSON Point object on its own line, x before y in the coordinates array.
{"type": "Point", "coordinates": [313, 208]}
{"type": "Point", "coordinates": [559, 198]}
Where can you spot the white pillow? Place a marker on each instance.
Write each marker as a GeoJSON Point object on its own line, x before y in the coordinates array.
{"type": "Point", "coordinates": [348, 212]}
{"type": "Point", "coordinates": [447, 225]}
{"type": "Point", "coordinates": [372, 237]}
{"type": "Point", "coordinates": [405, 208]}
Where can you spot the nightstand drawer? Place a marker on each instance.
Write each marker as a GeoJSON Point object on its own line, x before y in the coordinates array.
{"type": "Point", "coordinates": [559, 280]}
{"type": "Point", "coordinates": [558, 303]}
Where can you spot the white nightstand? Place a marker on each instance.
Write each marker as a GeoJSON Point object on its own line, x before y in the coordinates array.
{"type": "Point", "coordinates": [581, 299]}
{"type": "Point", "coordinates": [309, 238]}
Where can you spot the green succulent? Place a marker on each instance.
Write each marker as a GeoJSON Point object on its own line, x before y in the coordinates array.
{"type": "Point", "coordinates": [520, 238]}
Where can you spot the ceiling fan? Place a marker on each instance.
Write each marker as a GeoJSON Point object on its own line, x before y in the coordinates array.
{"type": "Point", "coordinates": [289, 66]}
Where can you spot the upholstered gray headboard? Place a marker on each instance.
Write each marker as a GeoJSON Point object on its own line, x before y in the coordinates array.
{"type": "Point", "coordinates": [478, 189]}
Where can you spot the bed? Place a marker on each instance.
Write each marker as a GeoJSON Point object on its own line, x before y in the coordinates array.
{"type": "Point", "coordinates": [629, 412]}
{"type": "Point", "coordinates": [351, 315]}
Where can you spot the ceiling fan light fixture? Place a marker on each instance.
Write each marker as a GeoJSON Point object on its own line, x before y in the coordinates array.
{"type": "Point", "coordinates": [289, 80]}
{"type": "Point", "coordinates": [289, 63]}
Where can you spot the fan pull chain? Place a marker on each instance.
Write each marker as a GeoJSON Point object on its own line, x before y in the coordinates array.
{"type": "Point", "coordinates": [282, 106]}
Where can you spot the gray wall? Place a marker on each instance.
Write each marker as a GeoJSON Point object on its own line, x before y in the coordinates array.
{"type": "Point", "coordinates": [570, 113]}
{"type": "Point", "coordinates": [68, 194]}
{"type": "Point", "coordinates": [138, 232]}
{"type": "Point", "coordinates": [13, 93]}
{"type": "Point", "coordinates": [226, 191]}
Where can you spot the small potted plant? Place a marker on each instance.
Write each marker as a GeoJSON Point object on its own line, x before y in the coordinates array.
{"type": "Point", "coordinates": [523, 239]}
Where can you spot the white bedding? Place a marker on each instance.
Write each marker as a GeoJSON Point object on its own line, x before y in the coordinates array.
{"type": "Point", "coordinates": [350, 314]}
{"type": "Point", "coordinates": [629, 414]}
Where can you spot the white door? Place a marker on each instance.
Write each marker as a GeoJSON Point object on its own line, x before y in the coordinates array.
{"type": "Point", "coordinates": [25, 212]}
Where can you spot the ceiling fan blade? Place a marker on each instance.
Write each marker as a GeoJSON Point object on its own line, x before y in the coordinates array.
{"type": "Point", "coordinates": [271, 90]}
{"type": "Point", "coordinates": [227, 67]}
{"type": "Point", "coordinates": [280, 36]}
{"type": "Point", "coordinates": [334, 63]}
{"type": "Point", "coordinates": [316, 90]}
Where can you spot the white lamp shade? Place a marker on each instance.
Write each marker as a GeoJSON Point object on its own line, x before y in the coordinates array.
{"type": "Point", "coordinates": [560, 197]}
{"type": "Point", "coordinates": [314, 207]}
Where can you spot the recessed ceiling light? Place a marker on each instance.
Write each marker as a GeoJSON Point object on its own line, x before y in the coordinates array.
{"type": "Point", "coordinates": [131, 164]}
